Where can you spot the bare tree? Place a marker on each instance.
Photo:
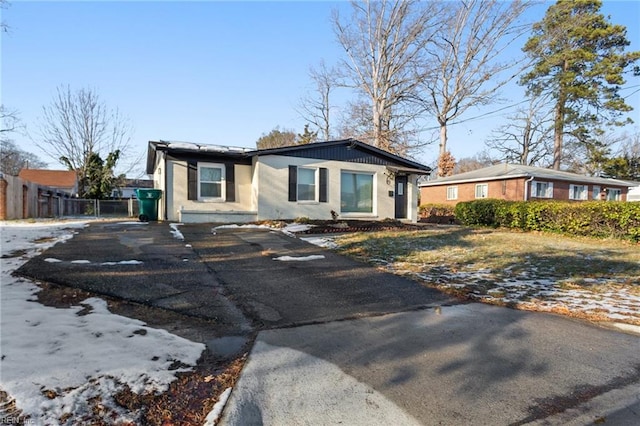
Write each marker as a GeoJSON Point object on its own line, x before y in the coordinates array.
{"type": "Point", "coordinates": [14, 159]}
{"type": "Point", "coordinates": [527, 138]}
{"type": "Point", "coordinates": [4, 27]}
{"type": "Point", "coordinates": [383, 41]}
{"type": "Point", "coordinates": [9, 122]}
{"type": "Point", "coordinates": [355, 121]}
{"type": "Point", "coordinates": [316, 107]}
{"type": "Point", "coordinates": [77, 125]}
{"type": "Point", "coordinates": [478, 161]}
{"type": "Point", "coordinates": [276, 138]}
{"type": "Point", "coordinates": [464, 68]}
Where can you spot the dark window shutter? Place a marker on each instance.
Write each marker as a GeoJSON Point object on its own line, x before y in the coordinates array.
{"type": "Point", "coordinates": [230, 182]}
{"type": "Point", "coordinates": [323, 185]}
{"type": "Point", "coordinates": [192, 180]}
{"type": "Point", "coordinates": [293, 183]}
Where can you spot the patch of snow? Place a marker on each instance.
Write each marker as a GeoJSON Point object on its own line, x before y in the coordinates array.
{"type": "Point", "coordinates": [245, 226]}
{"type": "Point", "coordinates": [214, 415]}
{"type": "Point", "coordinates": [81, 261]}
{"type": "Point", "coordinates": [176, 232]}
{"type": "Point", "coordinates": [133, 223]}
{"type": "Point", "coordinates": [73, 357]}
{"type": "Point", "coordinates": [183, 145]}
{"type": "Point", "coordinates": [292, 228]}
{"type": "Point", "coordinates": [325, 242]}
{"type": "Point", "coordinates": [299, 258]}
{"type": "Point", "coordinates": [52, 260]}
{"type": "Point", "coordinates": [219, 148]}
{"type": "Point", "coordinates": [130, 262]}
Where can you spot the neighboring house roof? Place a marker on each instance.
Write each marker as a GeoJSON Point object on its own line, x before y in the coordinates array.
{"type": "Point", "coordinates": [510, 171]}
{"type": "Point", "coordinates": [341, 150]}
{"type": "Point", "coordinates": [51, 178]}
{"type": "Point", "coordinates": [137, 183]}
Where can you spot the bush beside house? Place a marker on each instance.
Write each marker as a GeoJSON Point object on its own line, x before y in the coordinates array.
{"type": "Point", "coordinates": [598, 219]}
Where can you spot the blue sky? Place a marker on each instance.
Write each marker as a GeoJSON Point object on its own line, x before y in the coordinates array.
{"type": "Point", "coordinates": [205, 71]}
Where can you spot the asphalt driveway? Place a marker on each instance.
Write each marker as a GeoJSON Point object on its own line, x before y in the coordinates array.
{"type": "Point", "coordinates": [296, 290]}
{"type": "Point", "coordinates": [340, 342]}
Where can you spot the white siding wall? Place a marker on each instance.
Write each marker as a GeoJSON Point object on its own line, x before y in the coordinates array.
{"type": "Point", "coordinates": [180, 208]}
{"type": "Point", "coordinates": [273, 174]}
{"type": "Point", "coordinates": [262, 193]}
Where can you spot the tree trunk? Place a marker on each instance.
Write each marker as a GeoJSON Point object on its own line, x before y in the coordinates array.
{"type": "Point", "coordinates": [443, 139]}
{"type": "Point", "coordinates": [558, 126]}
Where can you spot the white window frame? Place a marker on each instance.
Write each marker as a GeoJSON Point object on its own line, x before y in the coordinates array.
{"type": "Point", "coordinates": [452, 192]}
{"type": "Point", "coordinates": [373, 192]}
{"type": "Point", "coordinates": [614, 194]}
{"type": "Point", "coordinates": [548, 190]}
{"type": "Point", "coordinates": [582, 192]}
{"type": "Point", "coordinates": [316, 185]}
{"type": "Point", "coordinates": [484, 190]}
{"type": "Point", "coordinates": [222, 182]}
{"type": "Point", "coordinates": [595, 192]}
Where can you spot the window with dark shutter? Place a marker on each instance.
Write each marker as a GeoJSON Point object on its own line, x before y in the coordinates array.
{"type": "Point", "coordinates": [192, 180]}
{"type": "Point", "coordinates": [230, 182]}
{"type": "Point", "coordinates": [323, 185]}
{"type": "Point", "coordinates": [293, 183]}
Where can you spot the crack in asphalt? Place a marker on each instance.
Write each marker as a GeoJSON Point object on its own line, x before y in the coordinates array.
{"type": "Point", "coordinates": [547, 407]}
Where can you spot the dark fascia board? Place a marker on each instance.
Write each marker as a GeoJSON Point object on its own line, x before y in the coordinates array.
{"type": "Point", "coordinates": [156, 146]}
{"type": "Point", "coordinates": [190, 150]}
{"type": "Point", "coordinates": [352, 144]}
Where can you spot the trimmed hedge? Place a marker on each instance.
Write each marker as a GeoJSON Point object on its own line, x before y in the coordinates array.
{"type": "Point", "coordinates": [601, 219]}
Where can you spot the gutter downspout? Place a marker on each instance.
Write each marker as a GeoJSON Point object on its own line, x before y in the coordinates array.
{"type": "Point", "coordinates": [164, 166]}
{"type": "Point", "coordinates": [526, 188]}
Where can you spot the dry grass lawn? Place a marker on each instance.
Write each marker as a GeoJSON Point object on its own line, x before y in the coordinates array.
{"type": "Point", "coordinates": [581, 277]}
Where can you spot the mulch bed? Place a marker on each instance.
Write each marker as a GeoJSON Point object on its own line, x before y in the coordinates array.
{"type": "Point", "coordinates": [343, 226]}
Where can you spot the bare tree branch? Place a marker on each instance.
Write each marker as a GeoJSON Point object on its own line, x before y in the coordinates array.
{"type": "Point", "coordinates": [316, 107]}
{"type": "Point", "coordinates": [78, 124]}
{"type": "Point", "coordinates": [527, 138]}
{"type": "Point", "coordinates": [384, 41]}
{"type": "Point", "coordinates": [464, 67]}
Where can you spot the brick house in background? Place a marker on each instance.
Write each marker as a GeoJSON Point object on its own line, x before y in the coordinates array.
{"type": "Point", "coordinates": [57, 180]}
{"type": "Point", "coordinates": [516, 182]}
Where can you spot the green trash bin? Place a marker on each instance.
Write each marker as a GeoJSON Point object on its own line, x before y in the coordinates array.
{"type": "Point", "coordinates": [148, 203]}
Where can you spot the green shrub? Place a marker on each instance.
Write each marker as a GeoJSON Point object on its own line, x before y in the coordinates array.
{"type": "Point", "coordinates": [602, 219]}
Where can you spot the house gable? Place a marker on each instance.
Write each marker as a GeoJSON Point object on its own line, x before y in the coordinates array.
{"type": "Point", "coordinates": [347, 150]}
{"type": "Point", "coordinates": [218, 183]}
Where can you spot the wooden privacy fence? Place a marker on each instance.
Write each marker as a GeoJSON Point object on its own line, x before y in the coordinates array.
{"type": "Point", "coordinates": [20, 199]}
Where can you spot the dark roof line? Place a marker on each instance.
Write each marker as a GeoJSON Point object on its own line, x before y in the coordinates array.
{"type": "Point", "coordinates": [245, 152]}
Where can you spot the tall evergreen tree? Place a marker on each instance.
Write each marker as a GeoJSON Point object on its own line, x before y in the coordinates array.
{"type": "Point", "coordinates": [578, 57]}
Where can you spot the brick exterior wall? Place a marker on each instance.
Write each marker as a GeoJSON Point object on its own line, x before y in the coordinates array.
{"type": "Point", "coordinates": [504, 189]}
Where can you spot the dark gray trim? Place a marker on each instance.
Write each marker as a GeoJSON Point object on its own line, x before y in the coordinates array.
{"type": "Point", "coordinates": [323, 185]}
{"type": "Point", "coordinates": [293, 183]}
{"type": "Point", "coordinates": [230, 181]}
{"type": "Point", "coordinates": [192, 180]}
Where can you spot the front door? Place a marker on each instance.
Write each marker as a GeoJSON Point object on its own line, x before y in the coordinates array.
{"type": "Point", "coordinates": [401, 197]}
